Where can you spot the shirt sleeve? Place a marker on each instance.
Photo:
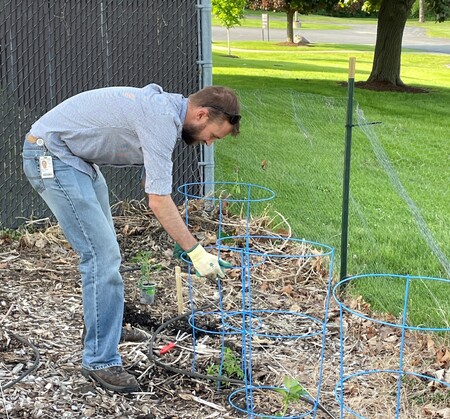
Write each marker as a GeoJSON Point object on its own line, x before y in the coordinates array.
{"type": "Point", "coordinates": [158, 141]}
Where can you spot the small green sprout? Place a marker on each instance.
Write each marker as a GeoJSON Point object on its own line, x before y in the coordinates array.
{"type": "Point", "coordinates": [231, 366]}
{"type": "Point", "coordinates": [292, 392]}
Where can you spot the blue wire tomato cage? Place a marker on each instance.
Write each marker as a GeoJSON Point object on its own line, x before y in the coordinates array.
{"type": "Point", "coordinates": [403, 325]}
{"type": "Point", "coordinates": [249, 322]}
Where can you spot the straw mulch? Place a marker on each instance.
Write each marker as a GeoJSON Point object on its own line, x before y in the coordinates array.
{"type": "Point", "coordinates": [41, 326]}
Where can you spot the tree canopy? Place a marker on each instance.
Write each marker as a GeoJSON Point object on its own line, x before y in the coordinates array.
{"type": "Point", "coordinates": [441, 8]}
{"type": "Point", "coordinates": [230, 13]}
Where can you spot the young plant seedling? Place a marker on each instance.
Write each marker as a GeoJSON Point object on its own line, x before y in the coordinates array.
{"type": "Point", "coordinates": [145, 261]}
{"type": "Point", "coordinates": [291, 393]}
{"type": "Point", "coordinates": [146, 285]}
{"type": "Point", "coordinates": [231, 366]}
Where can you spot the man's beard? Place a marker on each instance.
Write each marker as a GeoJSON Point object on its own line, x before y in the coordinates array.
{"type": "Point", "coordinates": [190, 134]}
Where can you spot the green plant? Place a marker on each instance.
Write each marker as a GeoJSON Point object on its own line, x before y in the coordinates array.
{"type": "Point", "coordinates": [213, 370]}
{"type": "Point", "coordinates": [230, 13]}
{"type": "Point", "coordinates": [147, 264]}
{"type": "Point", "coordinates": [231, 367]}
{"type": "Point", "coordinates": [9, 234]}
{"type": "Point", "coordinates": [291, 393]}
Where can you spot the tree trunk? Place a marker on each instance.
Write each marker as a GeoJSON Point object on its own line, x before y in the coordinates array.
{"type": "Point", "coordinates": [421, 11]}
{"type": "Point", "coordinates": [228, 41]}
{"type": "Point", "coordinates": [290, 25]}
{"type": "Point", "coordinates": [388, 48]}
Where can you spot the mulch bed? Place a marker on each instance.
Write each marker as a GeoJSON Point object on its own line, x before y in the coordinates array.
{"type": "Point", "coordinates": [40, 302]}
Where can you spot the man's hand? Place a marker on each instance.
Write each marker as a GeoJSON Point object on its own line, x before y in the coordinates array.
{"type": "Point", "coordinates": [205, 263]}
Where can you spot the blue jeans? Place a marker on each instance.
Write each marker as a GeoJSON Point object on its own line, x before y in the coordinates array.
{"type": "Point", "coordinates": [81, 206]}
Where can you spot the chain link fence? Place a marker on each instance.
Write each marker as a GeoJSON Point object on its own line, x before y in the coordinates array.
{"type": "Point", "coordinates": [53, 49]}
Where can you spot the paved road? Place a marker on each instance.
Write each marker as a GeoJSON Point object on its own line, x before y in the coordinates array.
{"type": "Point", "coordinates": [413, 36]}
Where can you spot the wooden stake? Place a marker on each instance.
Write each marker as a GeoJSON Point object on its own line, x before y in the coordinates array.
{"type": "Point", "coordinates": [351, 67]}
{"type": "Point", "coordinates": [179, 285]}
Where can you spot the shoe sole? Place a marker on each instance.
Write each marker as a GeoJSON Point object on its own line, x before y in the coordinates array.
{"type": "Point", "coordinates": [118, 389]}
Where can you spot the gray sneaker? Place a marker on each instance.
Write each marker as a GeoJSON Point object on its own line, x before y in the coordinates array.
{"type": "Point", "coordinates": [113, 378]}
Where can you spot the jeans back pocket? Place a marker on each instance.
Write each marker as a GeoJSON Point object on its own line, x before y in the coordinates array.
{"type": "Point", "coordinates": [33, 173]}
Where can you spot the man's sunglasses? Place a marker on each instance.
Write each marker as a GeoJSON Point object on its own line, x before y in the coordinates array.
{"type": "Point", "coordinates": [233, 119]}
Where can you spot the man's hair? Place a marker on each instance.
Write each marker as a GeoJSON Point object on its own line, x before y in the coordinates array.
{"type": "Point", "coordinates": [222, 104]}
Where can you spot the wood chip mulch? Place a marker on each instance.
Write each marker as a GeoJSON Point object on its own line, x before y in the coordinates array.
{"type": "Point", "coordinates": [41, 324]}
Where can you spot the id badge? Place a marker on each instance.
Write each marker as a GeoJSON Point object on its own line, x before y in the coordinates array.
{"type": "Point", "coordinates": [46, 167]}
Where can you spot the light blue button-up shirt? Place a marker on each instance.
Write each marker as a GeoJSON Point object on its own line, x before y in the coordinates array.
{"type": "Point", "coordinates": [118, 126]}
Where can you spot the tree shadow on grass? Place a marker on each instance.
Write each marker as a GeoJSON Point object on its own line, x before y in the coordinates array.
{"type": "Point", "coordinates": [383, 86]}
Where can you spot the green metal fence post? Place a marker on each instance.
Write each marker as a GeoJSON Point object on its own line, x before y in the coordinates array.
{"type": "Point", "coordinates": [347, 159]}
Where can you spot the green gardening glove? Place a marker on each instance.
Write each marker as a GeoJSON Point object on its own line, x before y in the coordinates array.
{"type": "Point", "coordinates": [177, 251]}
{"type": "Point", "coordinates": [207, 264]}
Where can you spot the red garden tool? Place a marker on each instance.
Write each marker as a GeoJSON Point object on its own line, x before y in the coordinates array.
{"type": "Point", "coordinates": [180, 336]}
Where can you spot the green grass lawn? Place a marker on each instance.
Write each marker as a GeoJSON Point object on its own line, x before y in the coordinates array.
{"type": "Point", "coordinates": [433, 29]}
{"type": "Point", "coordinates": [292, 141]}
